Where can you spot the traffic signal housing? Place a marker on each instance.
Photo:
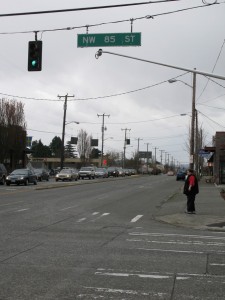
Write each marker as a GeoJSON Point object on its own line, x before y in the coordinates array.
{"type": "Point", "coordinates": [34, 55]}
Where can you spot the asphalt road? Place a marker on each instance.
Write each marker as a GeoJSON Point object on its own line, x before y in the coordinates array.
{"type": "Point", "coordinates": [98, 239]}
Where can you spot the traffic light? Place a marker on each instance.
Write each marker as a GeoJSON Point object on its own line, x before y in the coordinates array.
{"type": "Point", "coordinates": [34, 55]}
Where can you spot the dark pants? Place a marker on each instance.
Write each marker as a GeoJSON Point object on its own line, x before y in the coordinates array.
{"type": "Point", "coordinates": [191, 202]}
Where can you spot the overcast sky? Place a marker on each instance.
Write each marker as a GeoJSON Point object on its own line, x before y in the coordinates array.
{"type": "Point", "coordinates": [191, 39]}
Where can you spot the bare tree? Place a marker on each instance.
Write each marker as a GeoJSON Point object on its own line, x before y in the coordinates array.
{"type": "Point", "coordinates": [12, 131]}
{"type": "Point", "coordinates": [84, 146]}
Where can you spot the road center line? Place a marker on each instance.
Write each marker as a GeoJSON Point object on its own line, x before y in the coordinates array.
{"type": "Point", "coordinates": [22, 209]}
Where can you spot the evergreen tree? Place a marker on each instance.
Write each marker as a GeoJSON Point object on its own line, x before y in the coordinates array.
{"type": "Point", "coordinates": [55, 146]}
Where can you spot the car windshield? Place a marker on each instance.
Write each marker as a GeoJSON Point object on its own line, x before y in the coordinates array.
{"type": "Point", "coordinates": [85, 169]}
{"type": "Point", "coordinates": [99, 170]}
{"type": "Point", "coordinates": [19, 172]}
{"type": "Point", "coordinates": [37, 170]}
{"type": "Point", "coordinates": [67, 171]}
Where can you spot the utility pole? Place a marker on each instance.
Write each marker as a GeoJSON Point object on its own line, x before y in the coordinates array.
{"type": "Point", "coordinates": [161, 155]}
{"type": "Point", "coordinates": [192, 141]}
{"type": "Point", "coordinates": [63, 130]}
{"type": "Point", "coordinates": [196, 143]}
{"type": "Point", "coordinates": [147, 153]}
{"type": "Point", "coordinates": [103, 130]}
{"type": "Point", "coordinates": [124, 148]}
{"type": "Point", "coordinates": [155, 154]}
{"type": "Point", "coordinates": [139, 139]}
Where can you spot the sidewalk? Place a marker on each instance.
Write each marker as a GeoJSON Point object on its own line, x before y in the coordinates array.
{"type": "Point", "coordinates": [210, 209]}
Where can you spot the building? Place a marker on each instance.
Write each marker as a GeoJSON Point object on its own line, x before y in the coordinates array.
{"type": "Point", "coordinates": [217, 160]}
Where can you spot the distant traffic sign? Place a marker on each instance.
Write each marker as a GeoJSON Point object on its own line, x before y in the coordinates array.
{"type": "Point", "coordinates": [109, 39]}
{"type": "Point", "coordinates": [145, 154]}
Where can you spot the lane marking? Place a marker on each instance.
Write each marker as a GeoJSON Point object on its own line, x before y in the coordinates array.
{"type": "Point", "coordinates": [95, 213]}
{"type": "Point", "coordinates": [23, 209]}
{"type": "Point", "coordinates": [179, 235]}
{"type": "Point", "coordinates": [196, 243]}
{"type": "Point", "coordinates": [81, 220]}
{"type": "Point", "coordinates": [68, 207]}
{"type": "Point", "coordinates": [102, 215]}
{"type": "Point", "coordinates": [136, 218]}
{"type": "Point", "coordinates": [174, 251]}
{"type": "Point", "coordinates": [154, 276]}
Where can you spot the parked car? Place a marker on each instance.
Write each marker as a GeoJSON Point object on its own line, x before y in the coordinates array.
{"type": "Point", "coordinates": [3, 174]}
{"type": "Point", "coordinates": [67, 175]}
{"type": "Point", "coordinates": [113, 171]}
{"type": "Point", "coordinates": [181, 175]}
{"type": "Point", "coordinates": [101, 173]}
{"type": "Point", "coordinates": [121, 172]}
{"type": "Point", "coordinates": [21, 176]}
{"type": "Point", "coordinates": [127, 172]}
{"type": "Point", "coordinates": [87, 172]}
{"type": "Point", "coordinates": [41, 174]}
{"type": "Point", "coordinates": [133, 171]}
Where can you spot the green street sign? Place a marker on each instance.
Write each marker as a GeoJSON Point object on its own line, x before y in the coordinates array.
{"type": "Point", "coordinates": [109, 39]}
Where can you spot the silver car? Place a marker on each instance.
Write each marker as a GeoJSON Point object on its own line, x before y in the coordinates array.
{"type": "Point", "coordinates": [67, 175]}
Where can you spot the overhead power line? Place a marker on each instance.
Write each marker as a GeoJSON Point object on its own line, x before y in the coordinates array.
{"type": "Point", "coordinates": [93, 98]}
{"type": "Point", "coordinates": [83, 8]}
{"type": "Point", "coordinates": [111, 22]}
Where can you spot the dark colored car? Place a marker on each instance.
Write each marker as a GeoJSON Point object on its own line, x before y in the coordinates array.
{"type": "Point", "coordinates": [21, 176]}
{"type": "Point", "coordinates": [112, 171]}
{"type": "Point", "coordinates": [181, 175]}
{"type": "Point", "coordinates": [3, 174]}
{"type": "Point", "coordinates": [41, 174]}
{"type": "Point", "coordinates": [101, 173]}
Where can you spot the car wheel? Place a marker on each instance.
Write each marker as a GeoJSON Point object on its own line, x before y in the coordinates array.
{"type": "Point", "coordinates": [26, 182]}
{"type": "Point", "coordinates": [47, 179]}
{"type": "Point", "coordinates": [7, 183]}
{"type": "Point", "coordinates": [35, 182]}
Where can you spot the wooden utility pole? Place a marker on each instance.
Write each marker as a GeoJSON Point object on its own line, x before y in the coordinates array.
{"type": "Point", "coordinates": [63, 130]}
{"type": "Point", "coordinates": [124, 148]}
{"type": "Point", "coordinates": [103, 130]}
{"type": "Point", "coordinates": [192, 141]}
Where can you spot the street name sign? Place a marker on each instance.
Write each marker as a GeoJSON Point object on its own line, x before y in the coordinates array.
{"type": "Point", "coordinates": [109, 39]}
{"type": "Point", "coordinates": [145, 154]}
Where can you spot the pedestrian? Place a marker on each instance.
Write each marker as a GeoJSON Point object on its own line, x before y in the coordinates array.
{"type": "Point", "coordinates": [191, 190]}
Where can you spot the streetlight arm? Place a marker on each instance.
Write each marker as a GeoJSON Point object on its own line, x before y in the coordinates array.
{"type": "Point", "coordinates": [175, 80]}
{"type": "Point", "coordinates": [100, 52]}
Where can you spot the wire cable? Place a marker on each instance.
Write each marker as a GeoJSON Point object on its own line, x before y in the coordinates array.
{"type": "Point", "coordinates": [107, 23]}
{"type": "Point", "coordinates": [212, 71]}
{"type": "Point", "coordinates": [83, 8]}
{"type": "Point", "coordinates": [93, 98]}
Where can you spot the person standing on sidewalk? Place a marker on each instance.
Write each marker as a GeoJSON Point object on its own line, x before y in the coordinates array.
{"type": "Point", "coordinates": [191, 190]}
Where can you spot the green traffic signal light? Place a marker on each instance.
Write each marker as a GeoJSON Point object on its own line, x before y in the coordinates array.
{"type": "Point", "coordinates": [34, 63]}
{"type": "Point", "coordinates": [34, 55]}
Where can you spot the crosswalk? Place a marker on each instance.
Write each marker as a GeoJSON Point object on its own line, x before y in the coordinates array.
{"type": "Point", "coordinates": [195, 261]}
{"type": "Point", "coordinates": [95, 216]}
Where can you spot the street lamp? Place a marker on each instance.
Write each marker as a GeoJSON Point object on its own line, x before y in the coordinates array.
{"type": "Point", "coordinates": [192, 146]}
{"type": "Point", "coordinates": [63, 138]}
